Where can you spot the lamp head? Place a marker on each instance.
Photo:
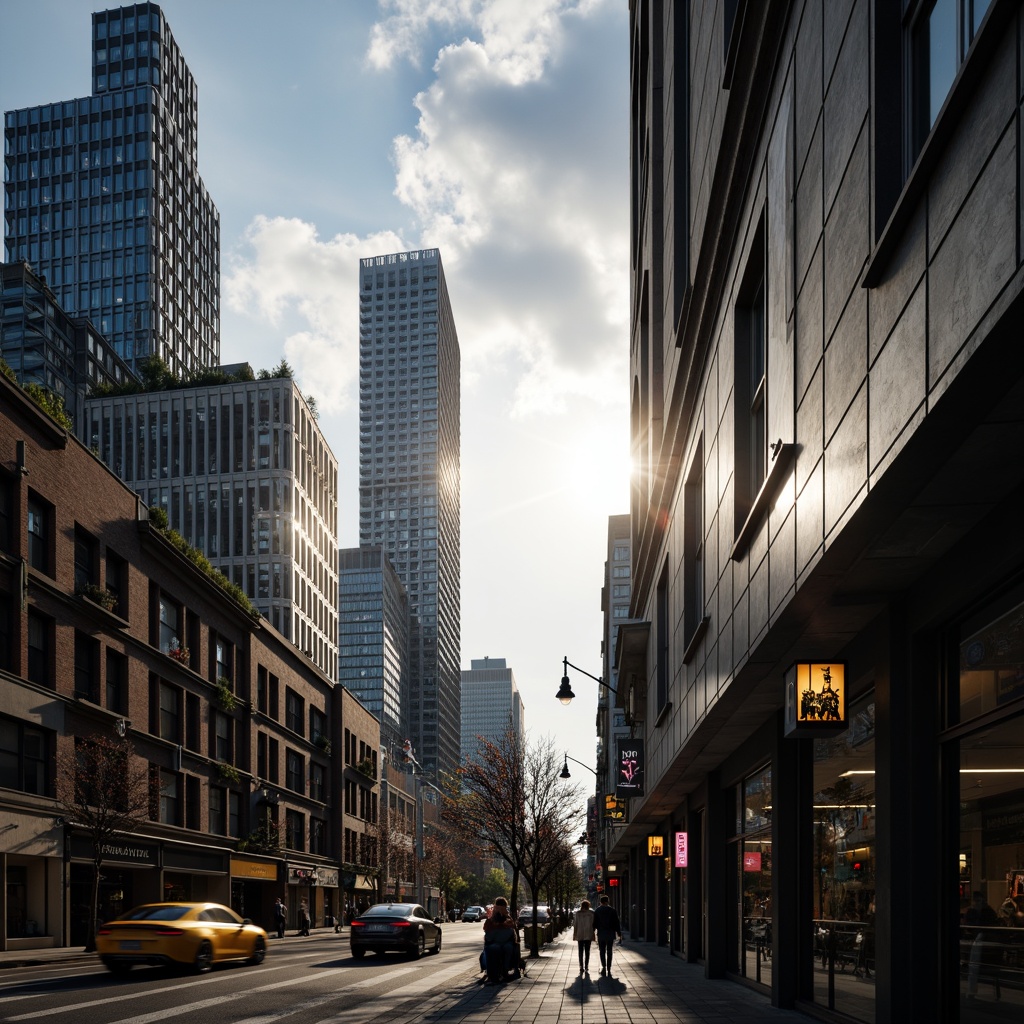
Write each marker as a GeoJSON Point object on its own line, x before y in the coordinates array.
{"type": "Point", "coordinates": [565, 773]}
{"type": "Point", "coordinates": [565, 694]}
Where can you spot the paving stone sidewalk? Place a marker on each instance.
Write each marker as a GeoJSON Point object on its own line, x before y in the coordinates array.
{"type": "Point", "coordinates": [648, 986]}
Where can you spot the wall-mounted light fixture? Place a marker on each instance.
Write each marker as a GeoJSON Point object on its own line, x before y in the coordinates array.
{"type": "Point", "coordinates": [815, 698]}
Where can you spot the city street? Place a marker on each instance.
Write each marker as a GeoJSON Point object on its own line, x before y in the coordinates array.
{"type": "Point", "coordinates": [314, 980]}
{"type": "Point", "coordinates": [308, 979]}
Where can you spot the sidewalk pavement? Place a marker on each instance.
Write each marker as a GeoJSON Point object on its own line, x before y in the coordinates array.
{"type": "Point", "coordinates": [648, 986]}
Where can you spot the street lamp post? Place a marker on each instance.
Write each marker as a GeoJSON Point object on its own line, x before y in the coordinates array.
{"type": "Point", "coordinates": [565, 694]}
{"type": "Point", "coordinates": [566, 774]}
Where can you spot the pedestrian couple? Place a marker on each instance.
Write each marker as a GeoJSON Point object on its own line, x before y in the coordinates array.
{"type": "Point", "coordinates": [604, 923]}
{"type": "Point", "coordinates": [281, 917]}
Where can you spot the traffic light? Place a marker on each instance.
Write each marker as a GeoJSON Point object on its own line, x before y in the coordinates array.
{"type": "Point", "coordinates": [858, 870]}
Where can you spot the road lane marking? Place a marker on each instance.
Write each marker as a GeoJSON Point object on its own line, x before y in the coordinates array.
{"type": "Point", "coordinates": [207, 979]}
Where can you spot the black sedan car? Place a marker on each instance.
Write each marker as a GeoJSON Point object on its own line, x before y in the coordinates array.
{"type": "Point", "coordinates": [406, 927]}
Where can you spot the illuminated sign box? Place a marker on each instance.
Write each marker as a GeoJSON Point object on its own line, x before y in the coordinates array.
{"type": "Point", "coordinates": [680, 849]}
{"type": "Point", "coordinates": [816, 698]}
{"type": "Point", "coordinates": [655, 846]}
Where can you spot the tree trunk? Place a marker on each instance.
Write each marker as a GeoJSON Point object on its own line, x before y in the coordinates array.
{"type": "Point", "coordinates": [94, 911]}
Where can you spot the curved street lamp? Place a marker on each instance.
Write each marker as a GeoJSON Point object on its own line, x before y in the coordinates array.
{"type": "Point", "coordinates": [565, 694]}
{"type": "Point", "coordinates": [566, 774]}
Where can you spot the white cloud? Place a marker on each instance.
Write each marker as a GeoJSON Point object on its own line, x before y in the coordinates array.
{"type": "Point", "coordinates": [308, 288]}
{"type": "Point", "coordinates": [514, 175]}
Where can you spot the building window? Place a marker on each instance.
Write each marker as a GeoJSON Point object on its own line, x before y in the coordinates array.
{"type": "Point", "coordinates": [86, 560]}
{"type": "Point", "coordinates": [261, 690]}
{"type": "Point", "coordinates": [171, 637]}
{"type": "Point", "coordinates": [40, 648]}
{"type": "Point", "coordinates": [218, 823]}
{"type": "Point", "coordinates": [294, 830]}
{"type": "Point", "coordinates": [295, 772]}
{"type": "Point", "coordinates": [234, 813]}
{"type": "Point", "coordinates": [170, 798]}
{"type": "Point", "coordinates": [274, 761]}
{"type": "Point", "coordinates": [317, 727]}
{"type": "Point", "coordinates": [317, 788]}
{"type": "Point", "coordinates": [117, 582]}
{"type": "Point", "coordinates": [940, 34]}
{"type": "Point", "coordinates": [222, 737]}
{"type": "Point", "coordinates": [117, 682]}
{"type": "Point", "coordinates": [169, 713]}
{"type": "Point", "coordinates": [24, 757]}
{"type": "Point", "coordinates": [40, 516]}
{"type": "Point", "coordinates": [193, 807]}
{"type": "Point", "coordinates": [223, 659]}
{"type": "Point", "coordinates": [294, 712]}
{"type": "Point", "coordinates": [317, 836]}
{"type": "Point", "coordinates": [87, 664]}
{"type": "Point", "coordinates": [751, 401]}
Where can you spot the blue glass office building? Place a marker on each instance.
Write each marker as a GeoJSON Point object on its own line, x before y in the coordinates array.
{"type": "Point", "coordinates": [103, 198]}
{"type": "Point", "coordinates": [409, 476]}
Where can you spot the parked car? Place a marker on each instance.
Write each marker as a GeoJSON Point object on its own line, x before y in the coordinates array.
{"type": "Point", "coordinates": [474, 914]}
{"type": "Point", "coordinates": [402, 926]}
{"type": "Point", "coordinates": [195, 935]}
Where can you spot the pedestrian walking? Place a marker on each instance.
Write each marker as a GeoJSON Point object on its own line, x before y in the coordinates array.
{"type": "Point", "coordinates": [304, 921]}
{"type": "Point", "coordinates": [583, 933]}
{"type": "Point", "coordinates": [280, 916]}
{"type": "Point", "coordinates": [606, 926]}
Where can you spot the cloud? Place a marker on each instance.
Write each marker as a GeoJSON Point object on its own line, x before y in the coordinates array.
{"type": "Point", "coordinates": [513, 173]}
{"type": "Point", "coordinates": [308, 288]}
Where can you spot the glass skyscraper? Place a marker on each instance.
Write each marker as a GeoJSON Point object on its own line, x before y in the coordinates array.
{"type": "Point", "coordinates": [373, 641]}
{"type": "Point", "coordinates": [103, 198]}
{"type": "Point", "coordinates": [409, 436]}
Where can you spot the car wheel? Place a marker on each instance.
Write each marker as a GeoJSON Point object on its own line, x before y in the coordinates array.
{"type": "Point", "coordinates": [358, 953]}
{"type": "Point", "coordinates": [259, 951]}
{"type": "Point", "coordinates": [420, 948]}
{"type": "Point", "coordinates": [437, 943]}
{"type": "Point", "coordinates": [204, 958]}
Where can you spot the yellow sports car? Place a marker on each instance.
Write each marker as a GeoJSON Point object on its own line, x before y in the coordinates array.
{"type": "Point", "coordinates": [195, 935]}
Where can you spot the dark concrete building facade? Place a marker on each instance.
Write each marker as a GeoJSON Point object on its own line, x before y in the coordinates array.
{"type": "Point", "coordinates": [826, 415]}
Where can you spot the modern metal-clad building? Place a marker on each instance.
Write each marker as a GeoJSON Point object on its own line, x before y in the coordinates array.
{"type": "Point", "coordinates": [825, 682]}
{"type": "Point", "coordinates": [409, 395]}
{"type": "Point", "coordinates": [104, 200]}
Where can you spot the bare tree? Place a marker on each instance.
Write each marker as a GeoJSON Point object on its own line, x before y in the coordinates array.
{"type": "Point", "coordinates": [441, 861]}
{"type": "Point", "coordinates": [488, 808]}
{"type": "Point", "coordinates": [551, 813]}
{"type": "Point", "coordinates": [391, 833]}
{"type": "Point", "coordinates": [104, 789]}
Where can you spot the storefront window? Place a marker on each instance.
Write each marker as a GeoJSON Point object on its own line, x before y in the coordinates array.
{"type": "Point", "coordinates": [755, 877]}
{"type": "Point", "coordinates": [844, 867]}
{"type": "Point", "coordinates": [990, 858]}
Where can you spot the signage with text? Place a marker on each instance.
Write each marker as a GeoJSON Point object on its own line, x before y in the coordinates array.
{"type": "Point", "coordinates": [630, 780]}
{"type": "Point", "coordinates": [655, 846]}
{"type": "Point", "coordinates": [680, 849]}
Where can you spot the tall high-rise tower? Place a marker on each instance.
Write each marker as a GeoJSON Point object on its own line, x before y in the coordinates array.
{"type": "Point", "coordinates": [409, 476]}
{"type": "Point", "coordinates": [103, 197]}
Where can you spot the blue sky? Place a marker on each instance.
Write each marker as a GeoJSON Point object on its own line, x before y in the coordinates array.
{"type": "Point", "coordinates": [497, 131]}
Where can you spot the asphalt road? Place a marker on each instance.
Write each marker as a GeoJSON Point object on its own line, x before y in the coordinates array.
{"type": "Point", "coordinates": [304, 980]}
